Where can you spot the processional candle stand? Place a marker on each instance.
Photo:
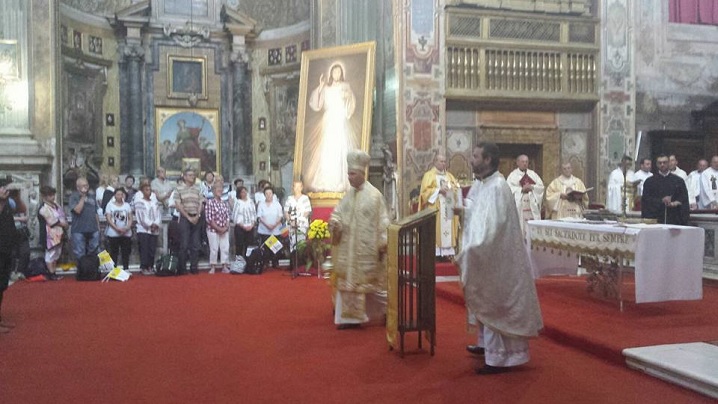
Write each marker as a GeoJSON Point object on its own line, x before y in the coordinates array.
{"type": "Point", "coordinates": [294, 232]}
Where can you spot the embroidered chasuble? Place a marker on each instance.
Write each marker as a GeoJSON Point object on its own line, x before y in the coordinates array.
{"type": "Point", "coordinates": [565, 208]}
{"type": "Point", "coordinates": [358, 267]}
{"type": "Point", "coordinates": [447, 225]}
{"type": "Point", "coordinates": [494, 265]}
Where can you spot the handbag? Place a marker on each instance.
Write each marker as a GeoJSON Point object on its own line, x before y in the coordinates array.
{"type": "Point", "coordinates": [166, 265]}
{"type": "Point", "coordinates": [23, 233]}
{"type": "Point", "coordinates": [238, 265]}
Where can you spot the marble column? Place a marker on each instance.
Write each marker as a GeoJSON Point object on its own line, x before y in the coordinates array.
{"type": "Point", "coordinates": [241, 113]}
{"type": "Point", "coordinates": [134, 55]}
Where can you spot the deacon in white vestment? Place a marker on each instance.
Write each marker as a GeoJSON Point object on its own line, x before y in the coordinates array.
{"type": "Point", "coordinates": [621, 186]}
{"type": "Point", "coordinates": [566, 195]}
{"type": "Point", "coordinates": [693, 183]}
{"type": "Point", "coordinates": [358, 228]}
{"type": "Point", "coordinates": [643, 174]}
{"type": "Point", "coordinates": [709, 186]}
{"type": "Point", "coordinates": [439, 189]}
{"type": "Point", "coordinates": [528, 189]}
{"type": "Point", "coordinates": [494, 267]}
{"type": "Point", "coordinates": [674, 169]}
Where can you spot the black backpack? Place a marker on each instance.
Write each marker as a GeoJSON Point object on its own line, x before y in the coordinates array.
{"type": "Point", "coordinates": [106, 198]}
{"type": "Point", "coordinates": [42, 235]}
{"type": "Point", "coordinates": [36, 267]}
{"type": "Point", "coordinates": [88, 268]}
{"type": "Point", "coordinates": [255, 262]}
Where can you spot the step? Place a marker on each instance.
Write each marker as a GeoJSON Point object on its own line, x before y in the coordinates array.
{"type": "Point", "coordinates": [691, 365]}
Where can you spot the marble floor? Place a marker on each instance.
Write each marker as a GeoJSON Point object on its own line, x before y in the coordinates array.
{"type": "Point", "coordinates": [691, 365]}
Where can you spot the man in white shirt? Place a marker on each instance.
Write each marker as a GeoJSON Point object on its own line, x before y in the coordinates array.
{"type": "Point", "coordinates": [693, 183]}
{"type": "Point", "coordinates": [674, 169]}
{"type": "Point", "coordinates": [709, 186]}
{"type": "Point", "coordinates": [643, 174]}
{"type": "Point", "coordinates": [621, 187]}
{"type": "Point", "coordinates": [528, 189]}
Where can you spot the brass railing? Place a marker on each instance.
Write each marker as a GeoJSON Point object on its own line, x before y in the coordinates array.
{"type": "Point", "coordinates": [411, 279]}
{"type": "Point", "coordinates": [505, 55]}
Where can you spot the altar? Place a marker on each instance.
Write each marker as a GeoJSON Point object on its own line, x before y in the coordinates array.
{"type": "Point", "coordinates": [668, 259]}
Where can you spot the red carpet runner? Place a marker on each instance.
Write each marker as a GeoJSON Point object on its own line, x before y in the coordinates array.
{"type": "Point", "coordinates": [269, 339]}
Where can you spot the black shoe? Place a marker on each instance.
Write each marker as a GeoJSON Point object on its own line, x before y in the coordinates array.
{"type": "Point", "coordinates": [194, 271]}
{"type": "Point", "coordinates": [347, 326]}
{"type": "Point", "coordinates": [491, 370]}
{"type": "Point", "coordinates": [475, 349]}
{"type": "Point", "coordinates": [181, 273]}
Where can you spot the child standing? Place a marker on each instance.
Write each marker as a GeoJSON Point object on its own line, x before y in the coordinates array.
{"type": "Point", "coordinates": [55, 225]}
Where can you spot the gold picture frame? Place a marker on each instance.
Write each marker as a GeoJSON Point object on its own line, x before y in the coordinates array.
{"type": "Point", "coordinates": [187, 77]}
{"type": "Point", "coordinates": [333, 116]}
{"type": "Point", "coordinates": [187, 133]}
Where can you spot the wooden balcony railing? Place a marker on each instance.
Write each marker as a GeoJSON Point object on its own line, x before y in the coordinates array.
{"type": "Point", "coordinates": [500, 55]}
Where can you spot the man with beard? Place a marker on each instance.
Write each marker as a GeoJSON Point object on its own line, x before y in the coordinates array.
{"type": "Point", "coordinates": [495, 271]}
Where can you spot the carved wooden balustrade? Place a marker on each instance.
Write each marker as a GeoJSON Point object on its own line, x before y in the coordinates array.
{"type": "Point", "coordinates": [493, 55]}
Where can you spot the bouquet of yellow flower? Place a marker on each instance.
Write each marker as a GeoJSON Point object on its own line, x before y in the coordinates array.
{"type": "Point", "coordinates": [316, 244]}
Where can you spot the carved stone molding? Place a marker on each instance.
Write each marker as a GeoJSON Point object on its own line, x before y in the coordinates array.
{"type": "Point", "coordinates": [187, 36]}
{"type": "Point", "coordinates": [131, 52]}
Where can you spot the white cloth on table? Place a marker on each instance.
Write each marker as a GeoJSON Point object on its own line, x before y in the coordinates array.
{"type": "Point", "coordinates": [667, 264]}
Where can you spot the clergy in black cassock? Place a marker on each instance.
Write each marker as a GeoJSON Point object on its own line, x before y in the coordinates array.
{"type": "Point", "coordinates": [665, 196]}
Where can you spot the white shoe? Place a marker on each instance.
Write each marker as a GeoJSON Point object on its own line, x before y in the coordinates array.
{"type": "Point", "coordinates": [211, 271]}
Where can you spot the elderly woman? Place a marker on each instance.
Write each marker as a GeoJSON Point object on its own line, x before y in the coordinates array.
{"type": "Point", "coordinates": [270, 217]}
{"type": "Point", "coordinates": [244, 216]}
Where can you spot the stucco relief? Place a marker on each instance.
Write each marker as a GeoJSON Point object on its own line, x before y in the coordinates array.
{"type": "Point", "coordinates": [684, 74]}
{"type": "Point", "coordinates": [276, 13]}
{"type": "Point", "coordinates": [106, 7]}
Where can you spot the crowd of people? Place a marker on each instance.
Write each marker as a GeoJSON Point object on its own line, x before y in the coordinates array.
{"type": "Point", "coordinates": [201, 213]}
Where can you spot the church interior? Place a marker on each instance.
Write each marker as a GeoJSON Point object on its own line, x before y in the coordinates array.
{"type": "Point", "coordinates": [101, 85]}
{"type": "Point", "coordinates": [116, 87]}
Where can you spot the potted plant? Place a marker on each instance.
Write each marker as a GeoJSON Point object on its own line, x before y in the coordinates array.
{"type": "Point", "coordinates": [316, 244]}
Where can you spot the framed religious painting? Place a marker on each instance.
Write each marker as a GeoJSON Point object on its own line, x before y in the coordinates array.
{"type": "Point", "coordinates": [333, 117]}
{"type": "Point", "coordinates": [186, 77]}
{"type": "Point", "coordinates": [183, 134]}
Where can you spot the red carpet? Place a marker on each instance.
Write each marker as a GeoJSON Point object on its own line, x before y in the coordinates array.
{"type": "Point", "coordinates": [266, 339]}
{"type": "Point", "coordinates": [597, 326]}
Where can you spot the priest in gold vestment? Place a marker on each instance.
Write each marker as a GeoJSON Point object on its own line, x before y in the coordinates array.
{"type": "Point", "coordinates": [358, 227]}
{"type": "Point", "coordinates": [439, 189]}
{"type": "Point", "coordinates": [566, 195]}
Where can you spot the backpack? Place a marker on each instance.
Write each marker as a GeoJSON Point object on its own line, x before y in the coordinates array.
{"type": "Point", "coordinates": [255, 262]}
{"type": "Point", "coordinates": [166, 265]}
{"type": "Point", "coordinates": [35, 267]}
{"type": "Point", "coordinates": [106, 198]}
{"type": "Point", "coordinates": [42, 235]}
{"type": "Point", "coordinates": [88, 268]}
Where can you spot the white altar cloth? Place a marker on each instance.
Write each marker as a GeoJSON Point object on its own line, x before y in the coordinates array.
{"type": "Point", "coordinates": [668, 259]}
